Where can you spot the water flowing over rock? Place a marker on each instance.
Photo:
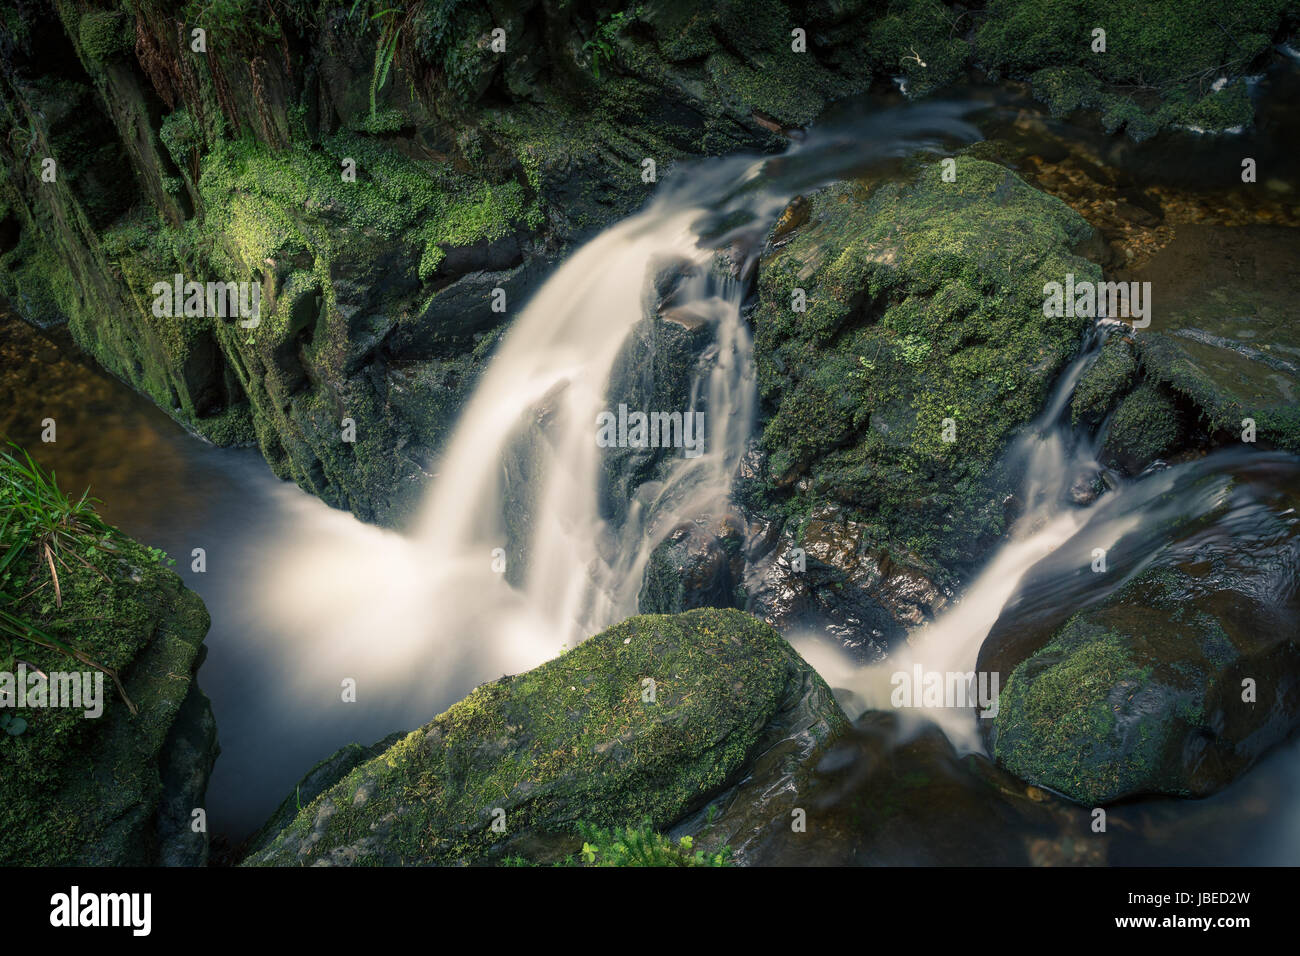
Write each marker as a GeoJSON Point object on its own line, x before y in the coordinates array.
{"type": "Point", "coordinates": [1180, 670]}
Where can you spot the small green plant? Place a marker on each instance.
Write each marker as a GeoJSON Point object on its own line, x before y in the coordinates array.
{"type": "Point", "coordinates": [604, 41]}
{"type": "Point", "coordinates": [159, 556]}
{"type": "Point", "coordinates": [40, 519]}
{"type": "Point", "coordinates": [390, 30]}
{"type": "Point", "coordinates": [643, 846]}
{"type": "Point", "coordinates": [12, 725]}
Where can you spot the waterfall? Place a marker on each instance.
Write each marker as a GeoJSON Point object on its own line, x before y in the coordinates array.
{"type": "Point", "coordinates": [423, 617]}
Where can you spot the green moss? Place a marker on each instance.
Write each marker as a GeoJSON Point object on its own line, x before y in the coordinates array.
{"type": "Point", "coordinates": [1228, 108]}
{"type": "Point", "coordinates": [79, 790]}
{"type": "Point", "coordinates": [232, 426]}
{"type": "Point", "coordinates": [1102, 384]}
{"type": "Point", "coordinates": [1141, 692]}
{"type": "Point", "coordinates": [1066, 88]}
{"type": "Point", "coordinates": [104, 36]}
{"type": "Point", "coordinates": [920, 40]}
{"type": "Point", "coordinates": [570, 741]}
{"type": "Point", "coordinates": [1166, 50]}
{"type": "Point", "coordinates": [924, 304]}
{"type": "Point", "coordinates": [1146, 425]}
{"type": "Point", "coordinates": [1057, 717]}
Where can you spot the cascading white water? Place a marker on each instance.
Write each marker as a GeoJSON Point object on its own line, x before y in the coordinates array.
{"type": "Point", "coordinates": [1055, 538]}
{"type": "Point", "coordinates": [437, 603]}
{"type": "Point", "coordinates": [422, 618]}
{"type": "Point", "coordinates": [1050, 458]}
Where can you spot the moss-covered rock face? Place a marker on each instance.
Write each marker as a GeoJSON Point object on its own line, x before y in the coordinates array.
{"type": "Point", "coordinates": [118, 789]}
{"type": "Point", "coordinates": [377, 177]}
{"type": "Point", "coordinates": [1147, 692]}
{"type": "Point", "coordinates": [645, 721]}
{"type": "Point", "coordinates": [923, 347]}
{"type": "Point", "coordinates": [1163, 50]}
{"type": "Point", "coordinates": [104, 36]}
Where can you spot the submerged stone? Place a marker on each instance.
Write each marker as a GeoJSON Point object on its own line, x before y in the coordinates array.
{"type": "Point", "coordinates": [1223, 333]}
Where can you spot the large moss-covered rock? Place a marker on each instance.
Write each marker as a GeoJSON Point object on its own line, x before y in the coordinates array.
{"type": "Point", "coordinates": [645, 721]}
{"type": "Point", "coordinates": [922, 349]}
{"type": "Point", "coordinates": [1174, 684]}
{"type": "Point", "coordinates": [119, 789]}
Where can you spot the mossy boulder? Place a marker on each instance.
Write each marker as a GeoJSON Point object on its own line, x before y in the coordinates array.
{"type": "Point", "coordinates": [578, 739]}
{"type": "Point", "coordinates": [118, 789]}
{"type": "Point", "coordinates": [922, 349]}
{"type": "Point", "coordinates": [1174, 684]}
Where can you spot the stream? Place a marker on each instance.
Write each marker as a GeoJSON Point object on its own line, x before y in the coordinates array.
{"type": "Point", "coordinates": [304, 597]}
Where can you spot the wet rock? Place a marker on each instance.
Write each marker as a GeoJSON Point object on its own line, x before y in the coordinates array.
{"type": "Point", "coordinates": [833, 579]}
{"type": "Point", "coordinates": [575, 739]}
{"type": "Point", "coordinates": [188, 757]}
{"type": "Point", "coordinates": [699, 564]}
{"type": "Point", "coordinates": [313, 783]}
{"type": "Point", "coordinates": [795, 215]}
{"type": "Point", "coordinates": [1222, 333]}
{"type": "Point", "coordinates": [856, 409]}
{"type": "Point", "coordinates": [881, 795]}
{"type": "Point", "coordinates": [1105, 381]}
{"type": "Point", "coordinates": [1085, 489]}
{"type": "Point", "coordinates": [1146, 425]}
{"type": "Point", "coordinates": [1145, 689]}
